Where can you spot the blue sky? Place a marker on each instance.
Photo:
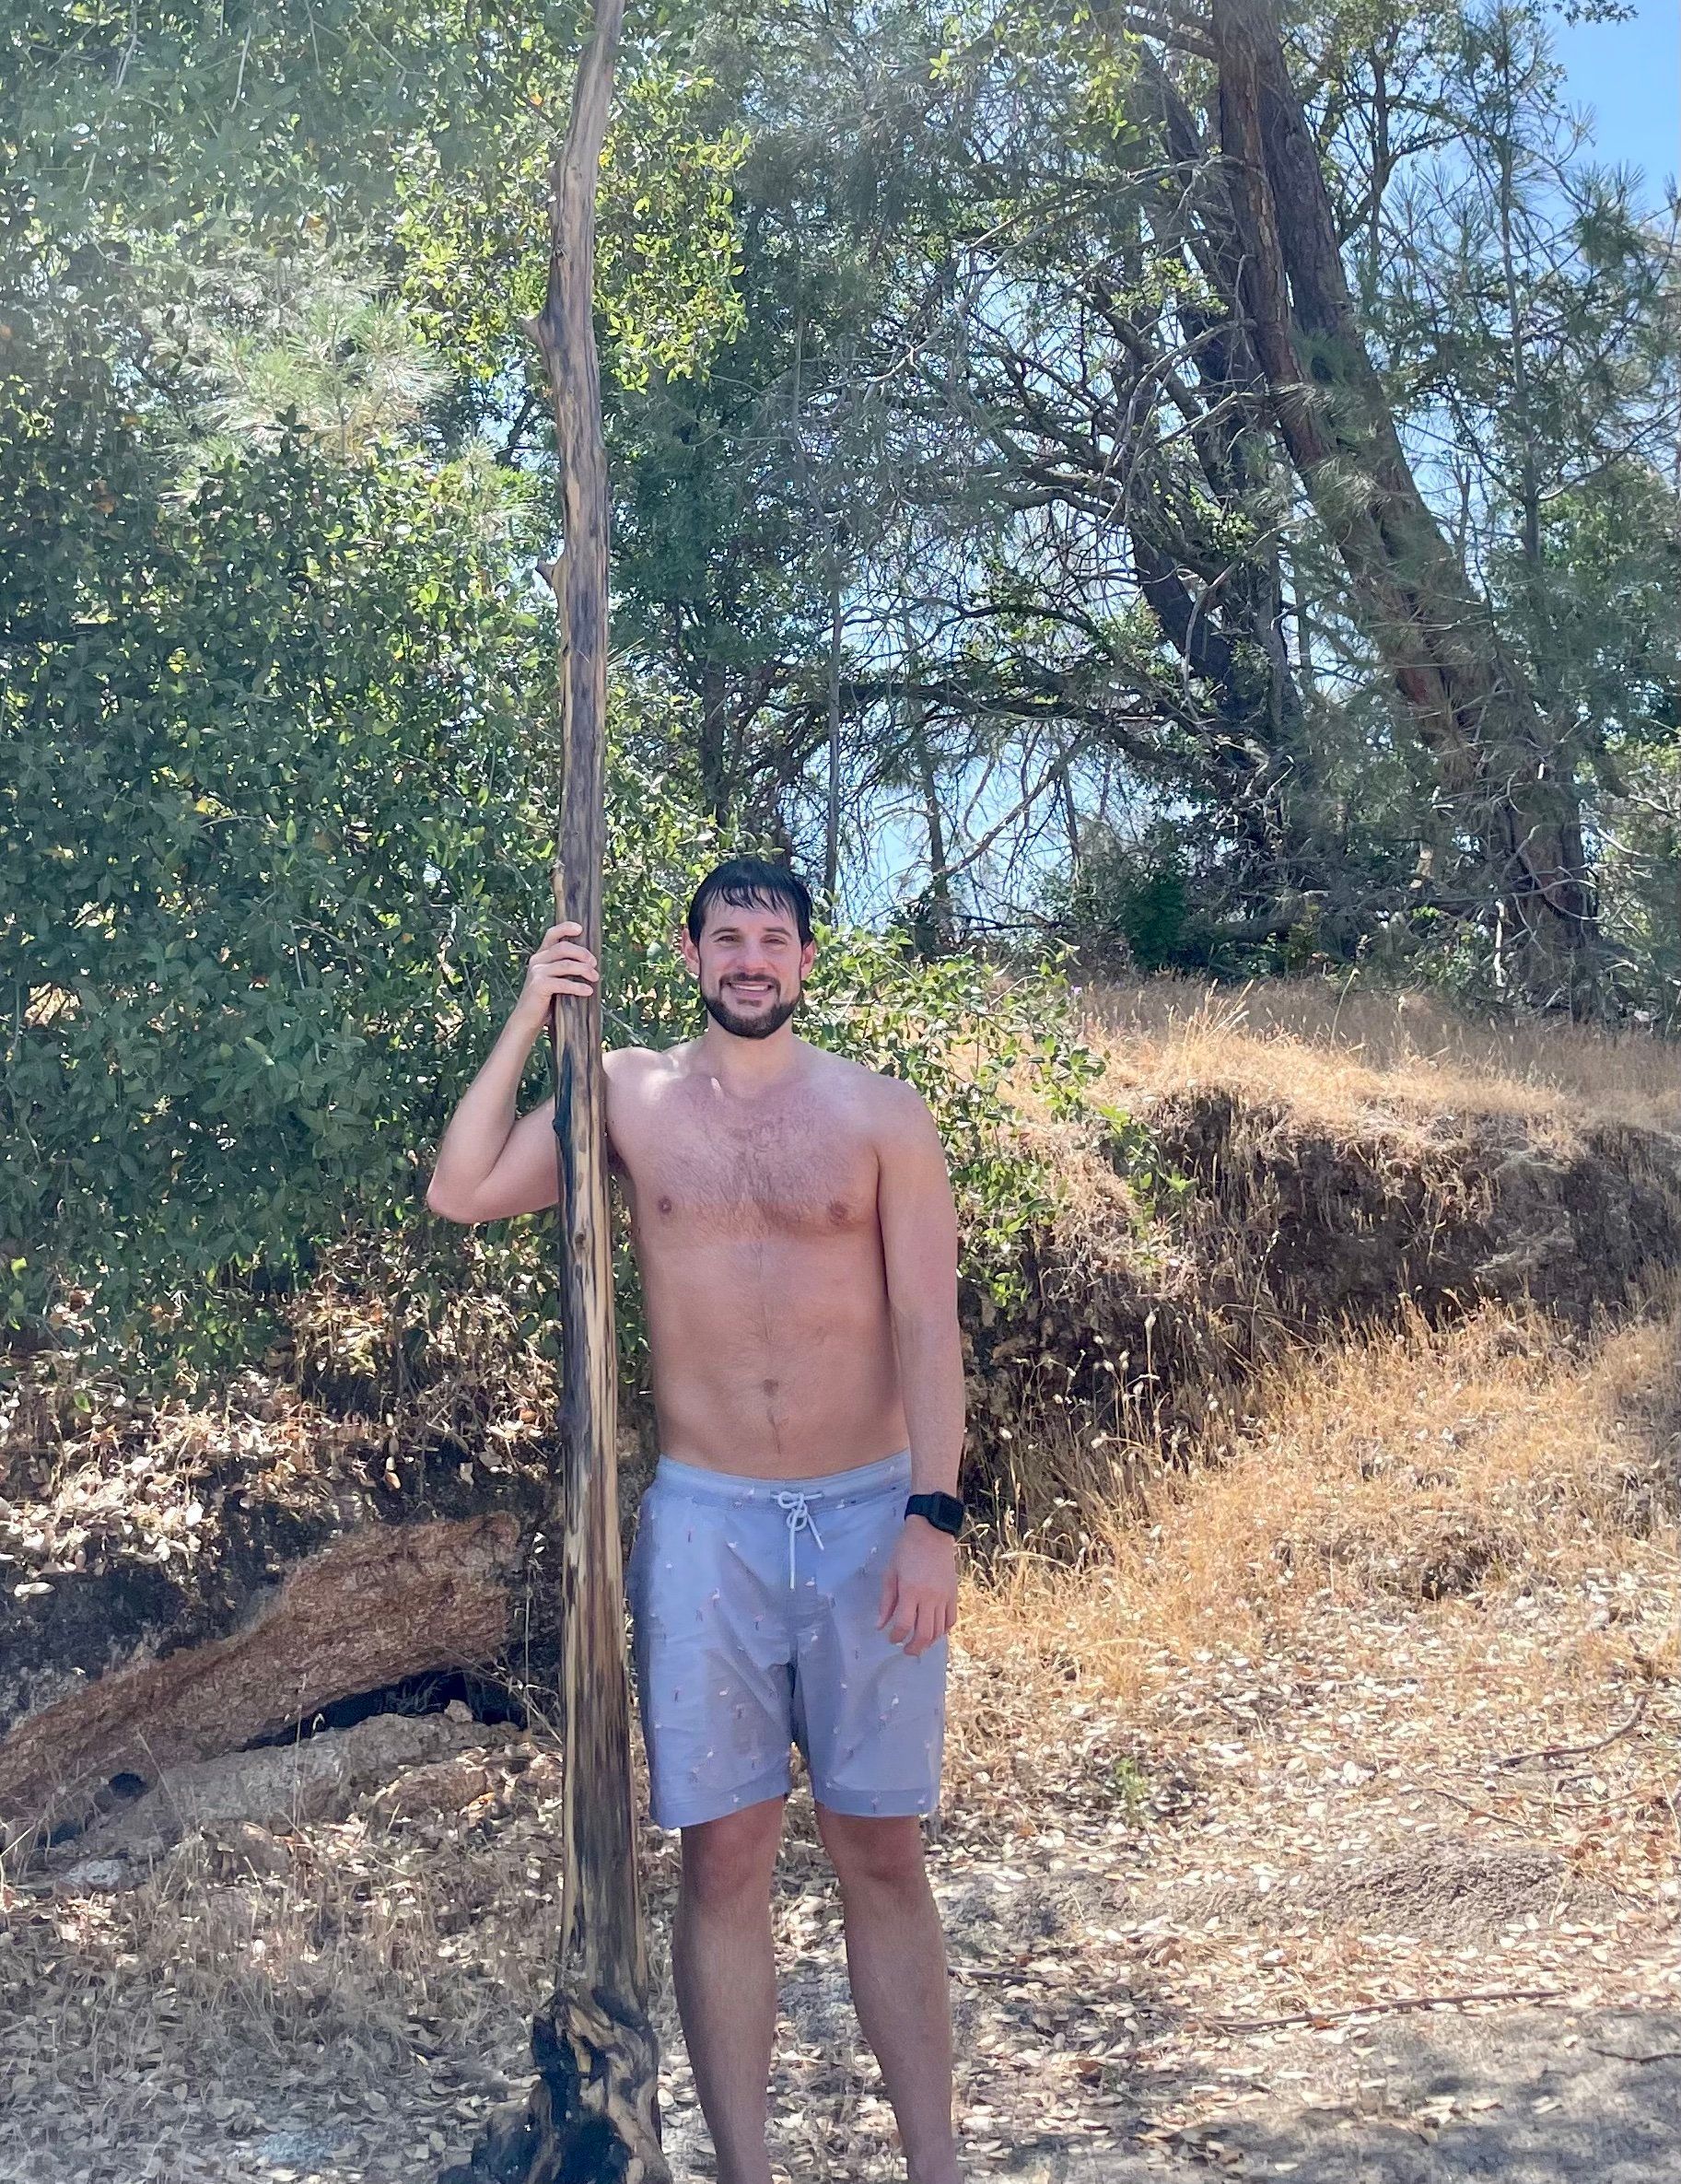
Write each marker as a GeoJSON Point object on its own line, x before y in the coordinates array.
{"type": "Point", "coordinates": [1629, 75]}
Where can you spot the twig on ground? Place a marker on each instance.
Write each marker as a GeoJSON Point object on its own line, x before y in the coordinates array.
{"type": "Point", "coordinates": [1657, 2055]}
{"type": "Point", "coordinates": [1581, 1751]}
{"type": "Point", "coordinates": [1481, 1812]}
{"type": "Point", "coordinates": [1401, 2001]}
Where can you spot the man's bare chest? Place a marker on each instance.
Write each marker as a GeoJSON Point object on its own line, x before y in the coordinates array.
{"type": "Point", "coordinates": [696, 1175]}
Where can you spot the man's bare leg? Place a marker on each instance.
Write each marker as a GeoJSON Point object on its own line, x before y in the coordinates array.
{"type": "Point", "coordinates": [725, 1976]}
{"type": "Point", "coordinates": [896, 1958]}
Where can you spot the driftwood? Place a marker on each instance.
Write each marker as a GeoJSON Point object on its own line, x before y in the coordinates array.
{"type": "Point", "coordinates": [594, 2112]}
{"type": "Point", "coordinates": [413, 1765]}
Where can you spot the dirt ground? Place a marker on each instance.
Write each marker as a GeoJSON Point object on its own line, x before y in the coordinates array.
{"type": "Point", "coordinates": [1124, 1930]}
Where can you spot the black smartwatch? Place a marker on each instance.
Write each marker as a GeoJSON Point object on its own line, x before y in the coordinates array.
{"type": "Point", "coordinates": [944, 1512]}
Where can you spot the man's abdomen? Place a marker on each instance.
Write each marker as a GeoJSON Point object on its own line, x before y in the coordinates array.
{"type": "Point", "coordinates": [775, 1357]}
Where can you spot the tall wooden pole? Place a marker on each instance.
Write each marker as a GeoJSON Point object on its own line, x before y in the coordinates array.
{"type": "Point", "coordinates": [592, 2117]}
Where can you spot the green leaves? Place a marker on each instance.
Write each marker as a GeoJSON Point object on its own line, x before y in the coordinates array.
{"type": "Point", "coordinates": [264, 825]}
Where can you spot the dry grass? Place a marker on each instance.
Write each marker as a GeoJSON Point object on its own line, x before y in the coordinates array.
{"type": "Point", "coordinates": [1338, 1056]}
{"type": "Point", "coordinates": [1424, 1464]}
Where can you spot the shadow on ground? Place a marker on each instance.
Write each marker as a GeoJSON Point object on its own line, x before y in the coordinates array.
{"type": "Point", "coordinates": [1530, 2097]}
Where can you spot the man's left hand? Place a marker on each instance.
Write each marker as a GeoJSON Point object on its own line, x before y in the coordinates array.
{"type": "Point", "coordinates": [919, 1586]}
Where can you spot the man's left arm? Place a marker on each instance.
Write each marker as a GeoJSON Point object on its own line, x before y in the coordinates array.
{"type": "Point", "coordinates": [919, 1248]}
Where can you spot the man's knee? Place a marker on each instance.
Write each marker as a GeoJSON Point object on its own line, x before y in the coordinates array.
{"type": "Point", "coordinates": [873, 1853]}
{"type": "Point", "coordinates": [726, 1858]}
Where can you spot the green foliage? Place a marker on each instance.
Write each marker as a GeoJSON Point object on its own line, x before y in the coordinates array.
{"type": "Point", "coordinates": [473, 216]}
{"type": "Point", "coordinates": [276, 686]}
{"type": "Point", "coordinates": [259, 805]}
{"type": "Point", "coordinates": [275, 834]}
{"type": "Point", "coordinates": [1643, 854]}
{"type": "Point", "coordinates": [1134, 898]}
{"type": "Point", "coordinates": [1136, 1154]}
{"type": "Point", "coordinates": [274, 824]}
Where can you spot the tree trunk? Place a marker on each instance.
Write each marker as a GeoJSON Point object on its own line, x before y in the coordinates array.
{"type": "Point", "coordinates": [832, 812]}
{"type": "Point", "coordinates": [592, 2118]}
{"type": "Point", "coordinates": [1469, 698]}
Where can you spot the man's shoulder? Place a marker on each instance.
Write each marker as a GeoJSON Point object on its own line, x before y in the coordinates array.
{"type": "Point", "coordinates": [625, 1062]}
{"type": "Point", "coordinates": [638, 1072]}
{"type": "Point", "coordinates": [885, 1099]}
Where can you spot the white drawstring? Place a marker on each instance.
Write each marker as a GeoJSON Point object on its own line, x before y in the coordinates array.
{"type": "Point", "coordinates": [799, 1518]}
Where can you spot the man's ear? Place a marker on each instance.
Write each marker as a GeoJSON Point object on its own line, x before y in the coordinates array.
{"type": "Point", "coordinates": [687, 950]}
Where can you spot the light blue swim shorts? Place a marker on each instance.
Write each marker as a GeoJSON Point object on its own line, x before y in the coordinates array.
{"type": "Point", "coordinates": [754, 1603]}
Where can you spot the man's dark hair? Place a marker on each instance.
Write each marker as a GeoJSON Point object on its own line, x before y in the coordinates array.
{"type": "Point", "coordinates": [751, 884]}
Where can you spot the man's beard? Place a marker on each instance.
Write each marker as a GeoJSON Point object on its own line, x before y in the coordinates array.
{"type": "Point", "coordinates": [758, 1024]}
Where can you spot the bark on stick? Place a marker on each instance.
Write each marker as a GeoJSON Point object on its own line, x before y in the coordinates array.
{"type": "Point", "coordinates": [592, 2117]}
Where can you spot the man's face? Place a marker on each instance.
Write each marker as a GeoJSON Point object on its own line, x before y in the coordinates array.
{"type": "Point", "coordinates": [751, 967]}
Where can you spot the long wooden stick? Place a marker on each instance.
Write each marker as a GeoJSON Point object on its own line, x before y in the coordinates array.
{"type": "Point", "coordinates": [593, 2114]}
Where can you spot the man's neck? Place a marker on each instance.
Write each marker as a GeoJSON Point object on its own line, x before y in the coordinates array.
{"type": "Point", "coordinates": [746, 1067]}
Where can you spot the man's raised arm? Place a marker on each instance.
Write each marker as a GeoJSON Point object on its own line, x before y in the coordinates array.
{"type": "Point", "coordinates": [491, 1163]}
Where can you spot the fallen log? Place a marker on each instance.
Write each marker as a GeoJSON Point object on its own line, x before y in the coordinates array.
{"type": "Point", "coordinates": [377, 1604]}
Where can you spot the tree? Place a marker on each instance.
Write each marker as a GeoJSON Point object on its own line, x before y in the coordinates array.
{"type": "Point", "coordinates": [1467, 694]}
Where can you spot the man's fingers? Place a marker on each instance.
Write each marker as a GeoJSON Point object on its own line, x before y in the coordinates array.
{"type": "Point", "coordinates": [935, 1616]}
{"type": "Point", "coordinates": [917, 1620]}
{"type": "Point", "coordinates": [922, 1614]}
{"type": "Point", "coordinates": [547, 967]}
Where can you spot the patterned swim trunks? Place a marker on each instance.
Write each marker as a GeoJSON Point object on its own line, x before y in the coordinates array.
{"type": "Point", "coordinates": [754, 1603]}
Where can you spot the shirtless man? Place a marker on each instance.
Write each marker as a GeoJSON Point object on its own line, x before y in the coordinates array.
{"type": "Point", "coordinates": [794, 1229]}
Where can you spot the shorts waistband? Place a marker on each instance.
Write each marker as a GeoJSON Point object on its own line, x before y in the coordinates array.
{"type": "Point", "coordinates": [857, 1479]}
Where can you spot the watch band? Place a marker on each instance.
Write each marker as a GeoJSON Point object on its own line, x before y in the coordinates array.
{"type": "Point", "coordinates": [944, 1512]}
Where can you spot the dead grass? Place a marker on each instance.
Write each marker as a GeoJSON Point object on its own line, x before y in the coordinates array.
{"type": "Point", "coordinates": [1341, 1056]}
{"type": "Point", "coordinates": [1422, 1465]}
